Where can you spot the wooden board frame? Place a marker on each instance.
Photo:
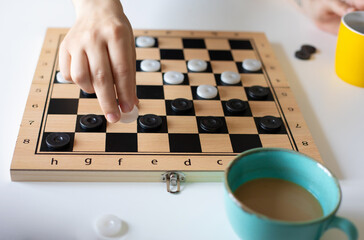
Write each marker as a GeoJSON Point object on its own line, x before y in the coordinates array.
{"type": "Point", "coordinates": [29, 165]}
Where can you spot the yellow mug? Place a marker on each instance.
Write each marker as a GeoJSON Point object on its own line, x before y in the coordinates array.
{"type": "Point", "coordinates": [349, 62]}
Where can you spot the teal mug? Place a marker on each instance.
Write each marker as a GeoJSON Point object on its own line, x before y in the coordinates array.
{"type": "Point", "coordinates": [293, 167]}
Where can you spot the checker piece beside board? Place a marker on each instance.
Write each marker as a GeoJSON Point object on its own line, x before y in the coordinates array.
{"type": "Point", "coordinates": [58, 141]}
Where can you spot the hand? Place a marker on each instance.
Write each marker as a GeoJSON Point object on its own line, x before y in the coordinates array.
{"type": "Point", "coordinates": [327, 13]}
{"type": "Point", "coordinates": [98, 54]}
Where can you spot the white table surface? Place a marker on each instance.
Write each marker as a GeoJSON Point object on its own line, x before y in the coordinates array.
{"type": "Point", "coordinates": [332, 109]}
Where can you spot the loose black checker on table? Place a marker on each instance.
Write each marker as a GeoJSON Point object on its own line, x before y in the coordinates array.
{"type": "Point", "coordinates": [184, 143]}
{"type": "Point", "coordinates": [185, 80]}
{"type": "Point", "coordinates": [101, 128]}
{"type": "Point", "coordinates": [242, 70]}
{"type": "Point", "coordinates": [208, 69]}
{"type": "Point", "coordinates": [170, 111]}
{"type": "Point", "coordinates": [137, 66]}
{"type": "Point", "coordinates": [220, 55]}
{"type": "Point", "coordinates": [196, 97]}
{"type": "Point", "coordinates": [150, 92]}
{"type": "Point", "coordinates": [243, 142]}
{"type": "Point", "coordinates": [221, 83]}
{"type": "Point", "coordinates": [44, 147]}
{"type": "Point", "coordinates": [172, 54]}
{"type": "Point", "coordinates": [222, 129]}
{"type": "Point", "coordinates": [240, 44]}
{"type": "Point", "coordinates": [281, 130]}
{"type": "Point", "coordinates": [246, 113]}
{"type": "Point", "coordinates": [162, 129]}
{"type": "Point", "coordinates": [121, 142]}
{"type": "Point", "coordinates": [63, 106]}
{"type": "Point", "coordinates": [193, 43]}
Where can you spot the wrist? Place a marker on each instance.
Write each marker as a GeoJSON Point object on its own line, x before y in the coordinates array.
{"type": "Point", "coordinates": [90, 7]}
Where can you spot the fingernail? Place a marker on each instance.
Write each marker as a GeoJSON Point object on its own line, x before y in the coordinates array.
{"type": "Point", "coordinates": [112, 117]}
{"type": "Point", "coordinates": [125, 107]}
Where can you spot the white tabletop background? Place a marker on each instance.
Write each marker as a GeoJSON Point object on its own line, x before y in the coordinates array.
{"type": "Point", "coordinates": [332, 109]}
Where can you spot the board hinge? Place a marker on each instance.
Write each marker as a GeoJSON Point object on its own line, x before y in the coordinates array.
{"type": "Point", "coordinates": [173, 181]}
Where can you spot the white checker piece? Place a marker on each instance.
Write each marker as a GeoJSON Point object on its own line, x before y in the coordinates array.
{"type": "Point", "coordinates": [61, 79]}
{"type": "Point", "coordinates": [150, 65]}
{"type": "Point", "coordinates": [130, 116]}
{"type": "Point", "coordinates": [197, 65]}
{"type": "Point", "coordinates": [173, 77]}
{"type": "Point", "coordinates": [252, 65]}
{"type": "Point", "coordinates": [145, 41]}
{"type": "Point", "coordinates": [206, 91]}
{"type": "Point", "coordinates": [229, 77]}
{"type": "Point", "coordinates": [109, 226]}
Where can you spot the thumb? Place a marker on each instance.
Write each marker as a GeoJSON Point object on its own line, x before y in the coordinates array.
{"type": "Point", "coordinates": [340, 8]}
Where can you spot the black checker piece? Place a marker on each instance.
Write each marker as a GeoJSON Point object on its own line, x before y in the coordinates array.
{"type": "Point", "coordinates": [270, 123]}
{"type": "Point", "coordinates": [236, 106]}
{"type": "Point", "coordinates": [172, 54]}
{"type": "Point", "coordinates": [258, 92]}
{"type": "Point", "coordinates": [181, 105]}
{"type": "Point", "coordinates": [150, 121]}
{"type": "Point", "coordinates": [84, 94]}
{"type": "Point", "coordinates": [193, 43]}
{"type": "Point", "coordinates": [91, 122]}
{"type": "Point", "coordinates": [58, 141]}
{"type": "Point", "coordinates": [211, 124]}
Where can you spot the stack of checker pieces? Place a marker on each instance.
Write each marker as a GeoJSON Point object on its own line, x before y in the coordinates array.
{"type": "Point", "coordinates": [180, 142]}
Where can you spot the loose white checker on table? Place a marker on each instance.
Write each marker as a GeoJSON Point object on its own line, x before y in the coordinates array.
{"type": "Point", "coordinates": [109, 226]}
{"type": "Point", "coordinates": [130, 116]}
{"type": "Point", "coordinates": [206, 91]}
{"type": "Point", "coordinates": [197, 65]}
{"type": "Point", "coordinates": [252, 65]}
{"type": "Point", "coordinates": [150, 65]}
{"type": "Point", "coordinates": [145, 41]}
{"type": "Point", "coordinates": [229, 77]}
{"type": "Point", "coordinates": [173, 77]}
{"type": "Point", "coordinates": [61, 79]}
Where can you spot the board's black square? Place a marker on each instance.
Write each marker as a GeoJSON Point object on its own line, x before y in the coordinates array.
{"type": "Point", "coordinates": [171, 112]}
{"type": "Point", "coordinates": [185, 80]}
{"type": "Point", "coordinates": [242, 70]}
{"type": "Point", "coordinates": [268, 98]}
{"type": "Point", "coordinates": [150, 92]}
{"type": "Point", "coordinates": [175, 54]}
{"type": "Point", "coordinates": [63, 106]}
{"type": "Point", "coordinates": [121, 142]}
{"type": "Point", "coordinates": [223, 129]}
{"type": "Point", "coordinates": [196, 97]}
{"type": "Point", "coordinates": [243, 142]}
{"type": "Point", "coordinates": [154, 46]}
{"type": "Point", "coordinates": [138, 69]}
{"type": "Point", "coordinates": [208, 69]}
{"type": "Point", "coordinates": [102, 128]}
{"type": "Point", "coordinates": [193, 43]}
{"type": "Point", "coordinates": [162, 129]}
{"type": "Point", "coordinates": [240, 44]}
{"type": "Point", "coordinates": [221, 55]}
{"type": "Point", "coordinates": [221, 83]}
{"type": "Point", "coordinates": [44, 147]}
{"type": "Point", "coordinates": [246, 113]}
{"type": "Point", "coordinates": [281, 130]}
{"type": "Point", "coordinates": [184, 143]}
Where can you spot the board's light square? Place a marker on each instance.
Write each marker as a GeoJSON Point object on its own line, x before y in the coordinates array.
{"type": "Point", "coordinates": [229, 92]}
{"type": "Point", "coordinates": [60, 123]}
{"type": "Point", "coordinates": [197, 79]}
{"type": "Point", "coordinates": [152, 106]}
{"type": "Point", "coordinates": [149, 78]}
{"type": "Point", "coordinates": [182, 124]}
{"type": "Point", "coordinates": [170, 43]}
{"type": "Point", "coordinates": [196, 54]}
{"type": "Point", "coordinates": [263, 108]}
{"type": "Point", "coordinates": [153, 142]}
{"type": "Point", "coordinates": [241, 125]}
{"type": "Point", "coordinates": [65, 90]}
{"type": "Point", "coordinates": [208, 108]}
{"type": "Point", "coordinates": [177, 91]}
{"type": "Point", "coordinates": [275, 140]}
{"type": "Point", "coordinates": [217, 44]}
{"type": "Point", "coordinates": [90, 142]}
{"type": "Point", "coordinates": [147, 53]}
{"type": "Point", "coordinates": [215, 143]}
{"type": "Point", "coordinates": [222, 66]}
{"type": "Point", "coordinates": [241, 55]}
{"type": "Point", "coordinates": [174, 65]}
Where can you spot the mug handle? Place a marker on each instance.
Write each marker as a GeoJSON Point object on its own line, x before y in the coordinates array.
{"type": "Point", "coordinates": [344, 225]}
